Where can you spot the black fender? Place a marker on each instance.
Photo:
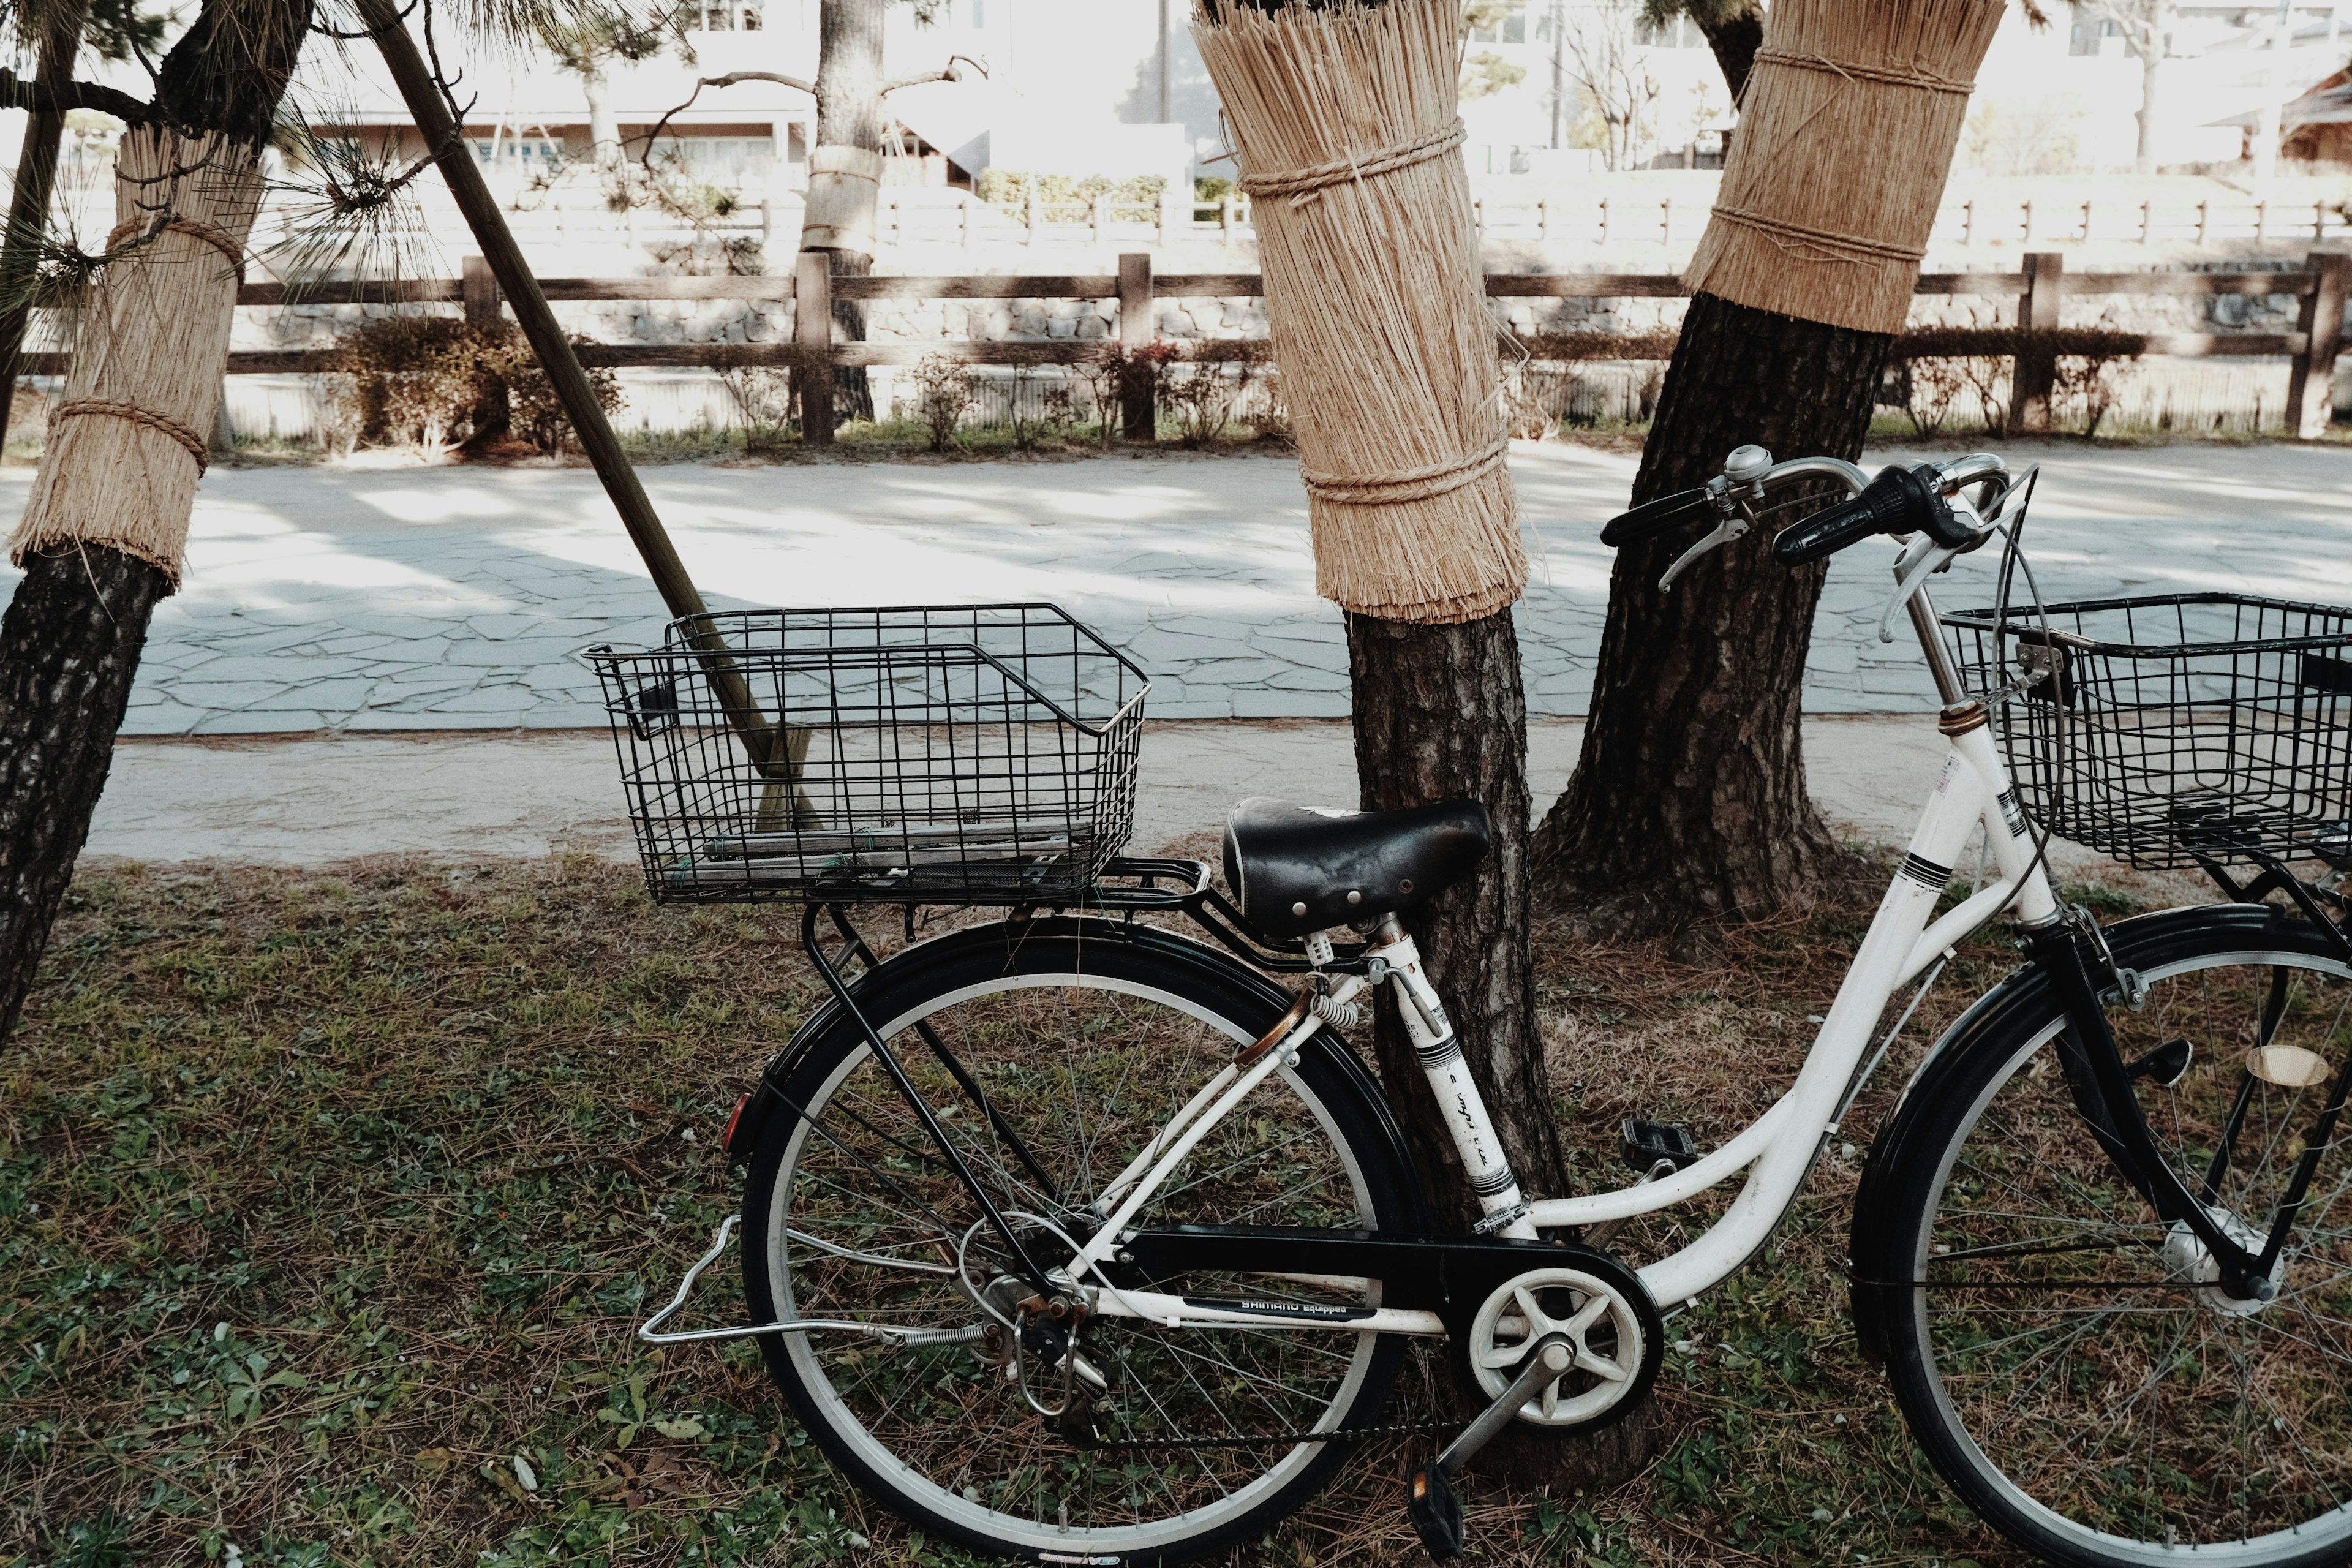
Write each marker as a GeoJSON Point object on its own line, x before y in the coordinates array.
{"type": "Point", "coordinates": [1235, 981]}
{"type": "Point", "coordinates": [1993, 1019]}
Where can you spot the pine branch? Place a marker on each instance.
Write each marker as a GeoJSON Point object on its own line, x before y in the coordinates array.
{"type": "Point", "coordinates": [18, 92]}
{"type": "Point", "coordinates": [945, 73]}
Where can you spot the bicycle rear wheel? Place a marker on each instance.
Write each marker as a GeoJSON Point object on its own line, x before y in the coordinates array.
{"type": "Point", "coordinates": [1085, 1038]}
{"type": "Point", "coordinates": [2068, 1363]}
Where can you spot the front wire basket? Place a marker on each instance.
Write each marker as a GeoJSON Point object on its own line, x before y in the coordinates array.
{"type": "Point", "coordinates": [974, 754]}
{"type": "Point", "coordinates": [2174, 729]}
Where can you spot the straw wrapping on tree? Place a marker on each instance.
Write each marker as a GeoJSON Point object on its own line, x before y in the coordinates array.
{"type": "Point", "coordinates": [1846, 130]}
{"type": "Point", "coordinates": [126, 447]}
{"type": "Point", "coordinates": [1343, 123]}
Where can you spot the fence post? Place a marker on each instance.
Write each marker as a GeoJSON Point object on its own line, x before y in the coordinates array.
{"type": "Point", "coordinates": [2036, 367]}
{"type": "Point", "coordinates": [481, 289]}
{"type": "Point", "coordinates": [2311, 385]}
{"type": "Point", "coordinates": [1139, 407]}
{"type": "Point", "coordinates": [812, 335]}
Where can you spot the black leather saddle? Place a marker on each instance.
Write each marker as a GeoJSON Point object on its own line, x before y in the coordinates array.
{"type": "Point", "coordinates": [1300, 868]}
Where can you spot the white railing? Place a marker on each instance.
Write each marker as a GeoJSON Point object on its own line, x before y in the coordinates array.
{"type": "Point", "coordinates": [925, 216]}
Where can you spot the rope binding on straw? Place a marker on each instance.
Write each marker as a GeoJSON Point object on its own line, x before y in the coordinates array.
{"type": "Point", "coordinates": [1304, 184]}
{"type": "Point", "coordinates": [219, 239]}
{"type": "Point", "coordinates": [110, 408]}
{"type": "Point", "coordinates": [1429, 480]}
{"type": "Point", "coordinates": [1928, 80]}
{"type": "Point", "coordinates": [1823, 245]}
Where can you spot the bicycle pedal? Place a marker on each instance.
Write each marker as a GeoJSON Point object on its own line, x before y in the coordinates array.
{"type": "Point", "coordinates": [1644, 1143]}
{"type": "Point", "coordinates": [1436, 1513]}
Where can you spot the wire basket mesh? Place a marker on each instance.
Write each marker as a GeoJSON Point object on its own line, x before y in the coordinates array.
{"type": "Point", "coordinates": [2176, 726]}
{"type": "Point", "coordinates": [975, 755]}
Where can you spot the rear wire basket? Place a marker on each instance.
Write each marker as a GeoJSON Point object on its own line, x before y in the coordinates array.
{"type": "Point", "coordinates": [2175, 727]}
{"type": "Point", "coordinates": [978, 754]}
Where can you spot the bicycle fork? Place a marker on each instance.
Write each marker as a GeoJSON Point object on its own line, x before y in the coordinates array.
{"type": "Point", "coordinates": [2101, 1084]}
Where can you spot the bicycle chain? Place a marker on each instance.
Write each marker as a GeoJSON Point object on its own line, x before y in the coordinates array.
{"type": "Point", "coordinates": [1408, 1429]}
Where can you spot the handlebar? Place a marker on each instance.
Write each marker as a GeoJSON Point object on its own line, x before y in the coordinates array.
{"type": "Point", "coordinates": [1927, 498]}
{"type": "Point", "coordinates": [1653, 518]}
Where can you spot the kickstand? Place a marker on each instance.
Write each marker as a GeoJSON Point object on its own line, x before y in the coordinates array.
{"type": "Point", "coordinates": [1433, 1505]}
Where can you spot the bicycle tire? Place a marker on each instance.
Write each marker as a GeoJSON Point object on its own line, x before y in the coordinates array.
{"type": "Point", "coordinates": [2069, 1373]}
{"type": "Point", "coordinates": [974, 1464]}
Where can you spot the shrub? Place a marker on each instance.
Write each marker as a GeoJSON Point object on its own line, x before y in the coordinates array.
{"type": "Point", "coordinates": [997, 184]}
{"type": "Point", "coordinates": [1206, 382]}
{"type": "Point", "coordinates": [944, 391]}
{"type": "Point", "coordinates": [762, 394]}
{"type": "Point", "coordinates": [409, 380]}
{"type": "Point", "coordinates": [1980, 359]}
{"type": "Point", "coordinates": [533, 411]}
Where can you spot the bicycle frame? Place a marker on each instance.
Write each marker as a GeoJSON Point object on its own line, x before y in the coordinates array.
{"type": "Point", "coordinates": [1775, 1151]}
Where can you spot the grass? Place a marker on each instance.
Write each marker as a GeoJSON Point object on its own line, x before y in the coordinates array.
{"type": "Point", "coordinates": [327, 1201]}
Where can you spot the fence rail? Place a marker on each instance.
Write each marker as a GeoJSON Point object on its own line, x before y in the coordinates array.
{"type": "Point", "coordinates": [952, 218]}
{"type": "Point", "coordinates": [2040, 289]}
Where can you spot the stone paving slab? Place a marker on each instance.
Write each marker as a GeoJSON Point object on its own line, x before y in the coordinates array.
{"type": "Point", "coordinates": [320, 800]}
{"type": "Point", "coordinates": [444, 598]}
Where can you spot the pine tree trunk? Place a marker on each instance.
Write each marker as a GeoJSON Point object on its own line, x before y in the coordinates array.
{"type": "Point", "coordinates": [69, 645]}
{"type": "Point", "coordinates": [107, 523]}
{"type": "Point", "coordinates": [28, 204]}
{"type": "Point", "coordinates": [1733, 35]}
{"type": "Point", "coordinates": [841, 219]}
{"type": "Point", "coordinates": [1440, 714]}
{"type": "Point", "coordinates": [1688, 799]}
{"type": "Point", "coordinates": [604, 130]}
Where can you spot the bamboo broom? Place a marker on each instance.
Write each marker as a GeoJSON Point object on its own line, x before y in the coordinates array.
{"type": "Point", "coordinates": [1343, 121]}
{"type": "Point", "coordinates": [1845, 137]}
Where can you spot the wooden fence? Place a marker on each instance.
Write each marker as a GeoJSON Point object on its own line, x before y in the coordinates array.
{"type": "Point", "coordinates": [2040, 290]}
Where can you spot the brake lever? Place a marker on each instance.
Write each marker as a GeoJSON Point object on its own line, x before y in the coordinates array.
{"type": "Point", "coordinates": [1910, 573]}
{"type": "Point", "coordinates": [1743, 471]}
{"type": "Point", "coordinates": [1733, 526]}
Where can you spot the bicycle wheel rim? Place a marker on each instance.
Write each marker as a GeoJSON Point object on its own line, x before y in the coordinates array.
{"type": "Point", "coordinates": [2091, 1503]}
{"type": "Point", "coordinates": [1249, 1481]}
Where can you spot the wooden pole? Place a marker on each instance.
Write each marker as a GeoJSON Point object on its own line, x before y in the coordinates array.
{"type": "Point", "coordinates": [777, 757]}
{"type": "Point", "coordinates": [2311, 386]}
{"type": "Point", "coordinates": [479, 289]}
{"type": "Point", "coordinates": [2037, 369]}
{"type": "Point", "coordinates": [1139, 406]}
{"type": "Point", "coordinates": [812, 335]}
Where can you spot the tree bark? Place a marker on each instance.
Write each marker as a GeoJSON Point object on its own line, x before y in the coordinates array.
{"type": "Point", "coordinates": [604, 130]}
{"type": "Point", "coordinates": [28, 206]}
{"type": "Point", "coordinates": [69, 645]}
{"type": "Point", "coordinates": [1688, 799]}
{"type": "Point", "coordinates": [1439, 715]}
{"type": "Point", "coordinates": [2150, 65]}
{"type": "Point", "coordinates": [849, 114]}
{"type": "Point", "coordinates": [1734, 33]}
{"type": "Point", "coordinates": [103, 531]}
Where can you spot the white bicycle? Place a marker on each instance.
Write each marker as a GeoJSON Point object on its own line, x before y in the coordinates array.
{"type": "Point", "coordinates": [1075, 1240]}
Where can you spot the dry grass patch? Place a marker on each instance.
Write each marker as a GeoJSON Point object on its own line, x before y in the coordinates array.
{"type": "Point", "coordinates": [328, 1201]}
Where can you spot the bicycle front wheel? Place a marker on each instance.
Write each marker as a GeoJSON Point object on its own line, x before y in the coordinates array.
{"type": "Point", "coordinates": [2063, 1354]}
{"type": "Point", "coordinates": [1082, 1038]}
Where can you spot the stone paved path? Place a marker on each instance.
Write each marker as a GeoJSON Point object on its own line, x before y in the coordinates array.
{"type": "Point", "coordinates": [416, 598]}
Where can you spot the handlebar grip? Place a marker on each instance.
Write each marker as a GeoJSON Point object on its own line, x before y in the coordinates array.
{"type": "Point", "coordinates": [1826, 532]}
{"type": "Point", "coordinates": [1899, 500]}
{"type": "Point", "coordinates": [1653, 518]}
